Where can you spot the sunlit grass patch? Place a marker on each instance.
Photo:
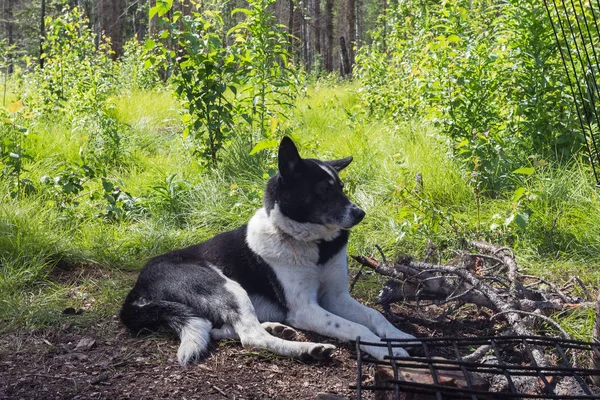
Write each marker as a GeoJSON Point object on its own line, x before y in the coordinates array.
{"type": "Point", "coordinates": [181, 202]}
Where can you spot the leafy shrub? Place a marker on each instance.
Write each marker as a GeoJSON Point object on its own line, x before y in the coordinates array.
{"type": "Point", "coordinates": [103, 137]}
{"type": "Point", "coordinates": [271, 82]}
{"type": "Point", "coordinates": [205, 76]}
{"type": "Point", "coordinates": [217, 81]}
{"type": "Point", "coordinates": [489, 75]}
{"type": "Point", "coordinates": [77, 76]}
{"type": "Point", "coordinates": [13, 151]}
{"type": "Point", "coordinates": [133, 74]}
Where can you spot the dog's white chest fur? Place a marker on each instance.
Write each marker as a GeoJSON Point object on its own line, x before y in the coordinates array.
{"type": "Point", "coordinates": [278, 247]}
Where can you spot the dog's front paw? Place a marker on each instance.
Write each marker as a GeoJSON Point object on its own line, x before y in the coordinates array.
{"type": "Point", "coordinates": [381, 353]}
{"type": "Point", "coordinates": [395, 334]}
{"type": "Point", "coordinates": [413, 348]}
{"type": "Point", "coordinates": [318, 352]}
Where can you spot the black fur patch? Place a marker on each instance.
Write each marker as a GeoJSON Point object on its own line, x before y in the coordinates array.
{"type": "Point", "coordinates": [328, 249]}
{"type": "Point", "coordinates": [230, 252]}
{"type": "Point", "coordinates": [182, 284]}
{"type": "Point", "coordinates": [174, 287]}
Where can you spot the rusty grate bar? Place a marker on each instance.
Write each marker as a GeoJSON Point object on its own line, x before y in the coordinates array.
{"type": "Point", "coordinates": [509, 357]}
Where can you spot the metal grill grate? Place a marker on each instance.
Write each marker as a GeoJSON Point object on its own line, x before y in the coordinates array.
{"type": "Point", "coordinates": [577, 35]}
{"type": "Point", "coordinates": [507, 359]}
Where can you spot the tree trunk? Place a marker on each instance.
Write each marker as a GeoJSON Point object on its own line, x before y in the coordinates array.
{"type": "Point", "coordinates": [317, 25]}
{"type": "Point", "coordinates": [297, 25]}
{"type": "Point", "coordinates": [351, 30]}
{"type": "Point", "coordinates": [140, 24]}
{"type": "Point", "coordinates": [42, 31]}
{"type": "Point", "coordinates": [109, 19]}
{"type": "Point", "coordinates": [346, 67]}
{"type": "Point", "coordinates": [304, 28]}
{"type": "Point", "coordinates": [384, 7]}
{"type": "Point", "coordinates": [328, 59]}
{"type": "Point", "coordinates": [309, 26]}
{"type": "Point", "coordinates": [359, 23]}
{"type": "Point", "coordinates": [153, 21]}
{"type": "Point", "coordinates": [291, 26]}
{"type": "Point", "coordinates": [8, 17]}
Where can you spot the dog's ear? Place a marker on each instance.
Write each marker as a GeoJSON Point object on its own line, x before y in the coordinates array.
{"type": "Point", "coordinates": [339, 165]}
{"type": "Point", "coordinates": [289, 159]}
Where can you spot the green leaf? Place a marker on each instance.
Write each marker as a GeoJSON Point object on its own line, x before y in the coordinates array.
{"type": "Point", "coordinates": [524, 171]}
{"type": "Point", "coordinates": [68, 188]}
{"type": "Point", "coordinates": [264, 144]}
{"type": "Point", "coordinates": [149, 45]}
{"type": "Point", "coordinates": [518, 194]}
{"type": "Point", "coordinates": [241, 10]}
{"type": "Point", "coordinates": [161, 8]}
{"type": "Point", "coordinates": [462, 144]}
{"type": "Point", "coordinates": [108, 187]}
{"type": "Point", "coordinates": [521, 219]}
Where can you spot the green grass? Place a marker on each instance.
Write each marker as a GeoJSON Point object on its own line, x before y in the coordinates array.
{"type": "Point", "coordinates": [184, 203]}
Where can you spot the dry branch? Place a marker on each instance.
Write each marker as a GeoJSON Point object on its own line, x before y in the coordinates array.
{"type": "Point", "coordinates": [488, 277]}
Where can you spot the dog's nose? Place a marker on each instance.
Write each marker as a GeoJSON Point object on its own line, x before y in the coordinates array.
{"type": "Point", "coordinates": [357, 213]}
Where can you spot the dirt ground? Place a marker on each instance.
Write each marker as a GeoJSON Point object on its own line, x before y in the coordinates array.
{"type": "Point", "coordinates": [111, 364]}
{"type": "Point", "coordinates": [104, 361]}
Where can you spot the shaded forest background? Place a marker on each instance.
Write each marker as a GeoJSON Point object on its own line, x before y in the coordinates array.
{"type": "Point", "coordinates": [322, 28]}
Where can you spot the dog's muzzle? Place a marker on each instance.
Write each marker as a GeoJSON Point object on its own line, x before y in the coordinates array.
{"type": "Point", "coordinates": [356, 214]}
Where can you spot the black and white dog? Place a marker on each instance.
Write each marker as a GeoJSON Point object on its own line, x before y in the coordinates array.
{"type": "Point", "coordinates": [288, 265]}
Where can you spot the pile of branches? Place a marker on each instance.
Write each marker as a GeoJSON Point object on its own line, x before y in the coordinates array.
{"type": "Point", "coordinates": [487, 276]}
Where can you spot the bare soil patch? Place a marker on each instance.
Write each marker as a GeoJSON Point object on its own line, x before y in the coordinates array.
{"type": "Point", "coordinates": [104, 361]}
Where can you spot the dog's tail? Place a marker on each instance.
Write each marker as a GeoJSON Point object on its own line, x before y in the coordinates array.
{"type": "Point", "coordinates": [141, 316]}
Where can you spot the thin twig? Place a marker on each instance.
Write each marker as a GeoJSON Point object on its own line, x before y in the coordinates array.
{"type": "Point", "coordinates": [498, 279]}
{"type": "Point", "coordinates": [483, 349]}
{"type": "Point", "coordinates": [477, 354]}
{"type": "Point", "coordinates": [218, 389]}
{"type": "Point", "coordinates": [553, 286]}
{"type": "Point", "coordinates": [458, 296]}
{"type": "Point", "coordinates": [584, 288]}
{"type": "Point", "coordinates": [382, 254]}
{"type": "Point", "coordinates": [533, 314]}
{"type": "Point", "coordinates": [486, 256]}
{"type": "Point", "coordinates": [430, 250]}
{"type": "Point", "coordinates": [356, 277]}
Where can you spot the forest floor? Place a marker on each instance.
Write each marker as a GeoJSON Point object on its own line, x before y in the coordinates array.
{"type": "Point", "coordinates": [84, 357]}
{"type": "Point", "coordinates": [103, 361]}
{"type": "Point", "coordinates": [51, 365]}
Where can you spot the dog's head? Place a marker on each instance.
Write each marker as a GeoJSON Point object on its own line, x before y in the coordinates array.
{"type": "Point", "coordinates": [309, 191]}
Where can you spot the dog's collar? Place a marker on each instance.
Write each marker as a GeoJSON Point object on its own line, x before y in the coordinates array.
{"type": "Point", "coordinates": [300, 231]}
